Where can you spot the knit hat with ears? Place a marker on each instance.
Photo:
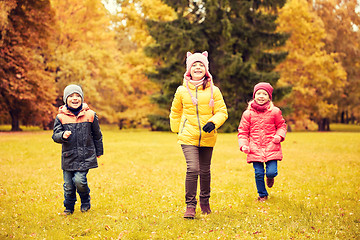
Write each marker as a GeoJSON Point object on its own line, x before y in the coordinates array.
{"type": "Point", "coordinates": [265, 86]}
{"type": "Point", "coordinates": [70, 89]}
{"type": "Point", "coordinates": [190, 60]}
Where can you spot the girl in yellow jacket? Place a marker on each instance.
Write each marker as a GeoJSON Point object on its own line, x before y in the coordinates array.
{"type": "Point", "coordinates": [198, 109]}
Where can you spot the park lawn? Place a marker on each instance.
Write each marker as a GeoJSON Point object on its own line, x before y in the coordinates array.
{"type": "Point", "coordinates": [138, 190]}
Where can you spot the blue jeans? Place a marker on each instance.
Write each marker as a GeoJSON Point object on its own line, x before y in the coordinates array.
{"type": "Point", "coordinates": [271, 172]}
{"type": "Point", "coordinates": [76, 180]}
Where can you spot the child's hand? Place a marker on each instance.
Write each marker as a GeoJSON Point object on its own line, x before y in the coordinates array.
{"type": "Point", "coordinates": [209, 127]}
{"type": "Point", "coordinates": [276, 139]}
{"type": "Point", "coordinates": [245, 149]}
{"type": "Point", "coordinates": [66, 134]}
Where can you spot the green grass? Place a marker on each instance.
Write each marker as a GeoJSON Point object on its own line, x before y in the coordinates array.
{"type": "Point", "coordinates": [7, 128]}
{"type": "Point", "coordinates": [338, 127]}
{"type": "Point", "coordinates": [138, 190]}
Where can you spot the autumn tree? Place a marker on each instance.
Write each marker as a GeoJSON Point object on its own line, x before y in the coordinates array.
{"type": "Point", "coordinates": [129, 22]}
{"type": "Point", "coordinates": [342, 22]}
{"type": "Point", "coordinates": [238, 35]}
{"type": "Point", "coordinates": [316, 77]}
{"type": "Point", "coordinates": [85, 52]}
{"type": "Point", "coordinates": [26, 87]}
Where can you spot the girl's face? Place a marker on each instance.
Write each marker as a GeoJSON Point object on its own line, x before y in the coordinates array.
{"type": "Point", "coordinates": [261, 97]}
{"type": "Point", "coordinates": [74, 100]}
{"type": "Point", "coordinates": [197, 71]}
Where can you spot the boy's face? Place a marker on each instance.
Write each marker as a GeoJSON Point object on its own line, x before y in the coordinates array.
{"type": "Point", "coordinates": [261, 97]}
{"type": "Point", "coordinates": [197, 71]}
{"type": "Point", "coordinates": [74, 100]}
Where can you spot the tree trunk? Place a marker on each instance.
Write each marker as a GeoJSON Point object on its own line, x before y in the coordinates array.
{"type": "Point", "coordinates": [121, 123]}
{"type": "Point", "coordinates": [289, 128]}
{"type": "Point", "coordinates": [353, 119]}
{"type": "Point", "coordinates": [324, 125]}
{"type": "Point", "coordinates": [15, 125]}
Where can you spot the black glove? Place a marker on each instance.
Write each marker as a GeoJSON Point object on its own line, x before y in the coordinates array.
{"type": "Point", "coordinates": [209, 127]}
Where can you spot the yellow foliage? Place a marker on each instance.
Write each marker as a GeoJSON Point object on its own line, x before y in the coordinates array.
{"type": "Point", "coordinates": [5, 8]}
{"type": "Point", "coordinates": [86, 52]}
{"type": "Point", "coordinates": [316, 76]}
{"type": "Point", "coordinates": [132, 33]}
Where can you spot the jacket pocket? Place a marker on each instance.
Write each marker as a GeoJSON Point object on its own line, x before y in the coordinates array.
{"type": "Point", "coordinates": [182, 129]}
{"type": "Point", "coordinates": [90, 153]}
{"type": "Point", "coordinates": [90, 158]}
{"type": "Point", "coordinates": [69, 159]}
{"type": "Point", "coordinates": [274, 147]}
{"type": "Point", "coordinates": [253, 148]}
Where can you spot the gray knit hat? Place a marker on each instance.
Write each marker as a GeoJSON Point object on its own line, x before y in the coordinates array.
{"type": "Point", "coordinates": [70, 89]}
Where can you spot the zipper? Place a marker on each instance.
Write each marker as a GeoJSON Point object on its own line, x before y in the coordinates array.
{"type": "Point", "coordinates": [197, 114]}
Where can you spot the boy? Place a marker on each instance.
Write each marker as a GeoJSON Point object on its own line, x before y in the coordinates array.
{"type": "Point", "coordinates": [77, 128]}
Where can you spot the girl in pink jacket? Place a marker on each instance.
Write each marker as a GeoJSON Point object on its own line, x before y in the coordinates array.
{"type": "Point", "coordinates": [261, 129]}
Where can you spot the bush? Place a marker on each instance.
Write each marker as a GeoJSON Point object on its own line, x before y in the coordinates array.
{"type": "Point", "coordinates": [159, 123]}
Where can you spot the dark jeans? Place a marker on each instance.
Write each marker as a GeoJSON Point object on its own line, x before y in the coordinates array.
{"type": "Point", "coordinates": [198, 161]}
{"type": "Point", "coordinates": [76, 180]}
{"type": "Point", "coordinates": [271, 172]}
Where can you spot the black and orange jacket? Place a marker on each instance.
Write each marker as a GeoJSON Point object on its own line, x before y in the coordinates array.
{"type": "Point", "coordinates": [80, 150]}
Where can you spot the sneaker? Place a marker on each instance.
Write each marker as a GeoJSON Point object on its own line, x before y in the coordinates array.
{"type": "Point", "coordinates": [205, 208]}
{"type": "Point", "coordinates": [270, 182]}
{"type": "Point", "coordinates": [85, 208]}
{"type": "Point", "coordinates": [262, 199]}
{"type": "Point", "coordinates": [190, 213]}
{"type": "Point", "coordinates": [68, 211]}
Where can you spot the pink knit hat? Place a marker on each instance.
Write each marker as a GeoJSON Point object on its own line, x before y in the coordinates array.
{"type": "Point", "coordinates": [190, 60]}
{"type": "Point", "coordinates": [265, 86]}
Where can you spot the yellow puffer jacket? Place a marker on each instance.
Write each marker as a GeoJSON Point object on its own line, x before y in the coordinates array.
{"type": "Point", "coordinates": [188, 120]}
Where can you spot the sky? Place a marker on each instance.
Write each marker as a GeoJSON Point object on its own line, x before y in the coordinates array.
{"type": "Point", "coordinates": [110, 5]}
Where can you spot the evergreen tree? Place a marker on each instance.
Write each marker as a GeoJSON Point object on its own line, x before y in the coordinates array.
{"type": "Point", "coordinates": [239, 36]}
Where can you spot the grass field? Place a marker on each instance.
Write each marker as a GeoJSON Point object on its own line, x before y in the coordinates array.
{"type": "Point", "coordinates": [138, 190]}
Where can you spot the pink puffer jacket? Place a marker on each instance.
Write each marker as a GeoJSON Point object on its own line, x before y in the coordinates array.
{"type": "Point", "coordinates": [257, 129]}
